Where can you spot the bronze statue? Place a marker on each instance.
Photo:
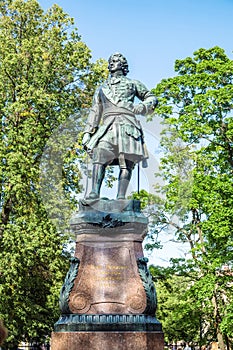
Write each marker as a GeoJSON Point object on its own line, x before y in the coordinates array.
{"type": "Point", "coordinates": [113, 135]}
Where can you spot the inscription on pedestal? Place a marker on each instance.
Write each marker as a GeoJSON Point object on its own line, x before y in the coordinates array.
{"type": "Point", "coordinates": [108, 274]}
{"type": "Point", "coordinates": [108, 280]}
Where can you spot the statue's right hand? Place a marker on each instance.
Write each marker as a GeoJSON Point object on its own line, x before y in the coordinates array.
{"type": "Point", "coordinates": [86, 138]}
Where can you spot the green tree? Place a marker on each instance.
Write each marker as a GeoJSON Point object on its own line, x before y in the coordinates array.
{"type": "Point", "coordinates": [177, 308]}
{"type": "Point", "coordinates": [197, 165]}
{"type": "Point", "coordinates": [46, 76]}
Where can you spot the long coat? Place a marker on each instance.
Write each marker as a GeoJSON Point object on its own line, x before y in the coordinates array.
{"type": "Point", "coordinates": [112, 117]}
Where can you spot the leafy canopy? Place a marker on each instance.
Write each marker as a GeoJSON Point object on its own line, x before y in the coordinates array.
{"type": "Point", "coordinates": [46, 76]}
{"type": "Point", "coordinates": [196, 107]}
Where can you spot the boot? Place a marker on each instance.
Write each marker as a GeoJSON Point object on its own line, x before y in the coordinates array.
{"type": "Point", "coordinates": [123, 182]}
{"type": "Point", "coordinates": [97, 179]}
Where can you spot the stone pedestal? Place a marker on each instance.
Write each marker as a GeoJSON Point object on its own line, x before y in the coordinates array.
{"type": "Point", "coordinates": [108, 300]}
{"type": "Point", "coordinates": [108, 341]}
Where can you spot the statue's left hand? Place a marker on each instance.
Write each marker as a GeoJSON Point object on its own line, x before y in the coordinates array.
{"type": "Point", "coordinates": [139, 109]}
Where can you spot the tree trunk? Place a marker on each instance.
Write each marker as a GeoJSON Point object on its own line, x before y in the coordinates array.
{"type": "Point", "coordinates": [217, 318]}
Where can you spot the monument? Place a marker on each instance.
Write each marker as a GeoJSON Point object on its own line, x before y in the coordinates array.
{"type": "Point", "coordinates": [108, 300]}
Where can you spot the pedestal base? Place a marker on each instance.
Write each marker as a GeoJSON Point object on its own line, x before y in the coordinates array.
{"type": "Point", "coordinates": [108, 300]}
{"type": "Point", "coordinates": [107, 341]}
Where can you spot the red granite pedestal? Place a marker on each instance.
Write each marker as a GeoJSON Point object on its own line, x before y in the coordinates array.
{"type": "Point", "coordinates": [108, 299]}
{"type": "Point", "coordinates": [107, 341]}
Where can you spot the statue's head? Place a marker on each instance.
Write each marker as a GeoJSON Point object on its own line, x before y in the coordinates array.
{"type": "Point", "coordinates": [118, 61]}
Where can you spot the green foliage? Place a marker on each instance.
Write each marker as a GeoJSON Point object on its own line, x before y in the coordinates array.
{"type": "Point", "coordinates": [46, 76]}
{"type": "Point", "coordinates": [151, 205]}
{"type": "Point", "coordinates": [176, 306]}
{"type": "Point", "coordinates": [196, 106]}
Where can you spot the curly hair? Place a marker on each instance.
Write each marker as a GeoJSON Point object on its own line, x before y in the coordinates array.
{"type": "Point", "coordinates": [123, 60]}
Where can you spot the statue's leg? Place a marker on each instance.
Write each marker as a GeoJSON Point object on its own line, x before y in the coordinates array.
{"type": "Point", "coordinates": [124, 179]}
{"type": "Point", "coordinates": [102, 156]}
{"type": "Point", "coordinates": [97, 179]}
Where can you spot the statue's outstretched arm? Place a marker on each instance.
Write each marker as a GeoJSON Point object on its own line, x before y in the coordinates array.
{"type": "Point", "coordinates": [149, 101]}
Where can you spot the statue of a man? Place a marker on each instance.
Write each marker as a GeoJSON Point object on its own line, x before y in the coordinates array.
{"type": "Point", "coordinates": [113, 135]}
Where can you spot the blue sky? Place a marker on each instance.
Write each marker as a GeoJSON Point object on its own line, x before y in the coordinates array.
{"type": "Point", "coordinates": [152, 34]}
